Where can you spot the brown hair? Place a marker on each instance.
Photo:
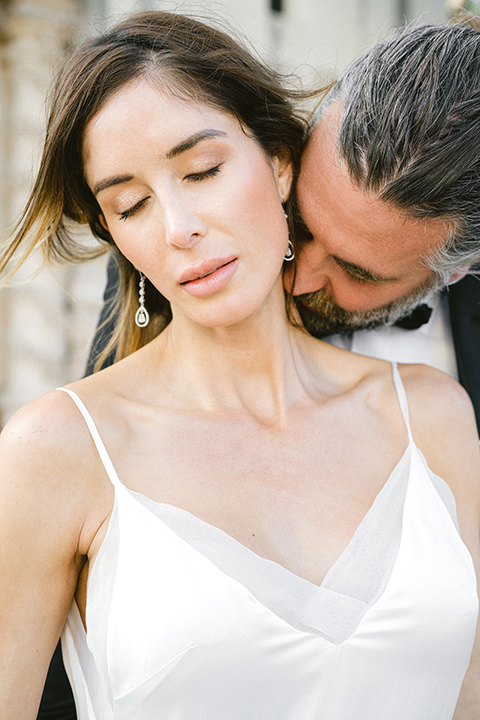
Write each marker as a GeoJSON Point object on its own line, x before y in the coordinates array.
{"type": "Point", "coordinates": [196, 61]}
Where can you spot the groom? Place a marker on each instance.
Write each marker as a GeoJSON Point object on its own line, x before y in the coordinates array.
{"type": "Point", "coordinates": [389, 200]}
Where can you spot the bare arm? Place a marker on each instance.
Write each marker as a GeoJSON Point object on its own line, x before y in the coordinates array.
{"type": "Point", "coordinates": [444, 427]}
{"type": "Point", "coordinates": [42, 512]}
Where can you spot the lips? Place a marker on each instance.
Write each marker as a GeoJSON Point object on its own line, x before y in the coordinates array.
{"type": "Point", "coordinates": [206, 267]}
{"type": "Point", "coordinates": [209, 277]}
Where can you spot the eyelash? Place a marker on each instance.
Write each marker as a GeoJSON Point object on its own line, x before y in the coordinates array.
{"type": "Point", "coordinates": [128, 213]}
{"type": "Point", "coordinates": [197, 177]}
{"type": "Point", "coordinates": [358, 278]}
{"type": "Point", "coordinates": [351, 276]}
{"type": "Point", "coordinates": [194, 177]}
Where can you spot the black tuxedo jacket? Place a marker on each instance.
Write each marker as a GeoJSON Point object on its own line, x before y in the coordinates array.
{"type": "Point", "coordinates": [464, 300]}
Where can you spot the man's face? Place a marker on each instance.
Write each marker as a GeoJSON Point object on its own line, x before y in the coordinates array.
{"type": "Point", "coordinates": [364, 264]}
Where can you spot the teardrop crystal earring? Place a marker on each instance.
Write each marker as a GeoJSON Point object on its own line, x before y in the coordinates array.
{"type": "Point", "coordinates": [142, 318]}
{"type": "Point", "coordinates": [290, 254]}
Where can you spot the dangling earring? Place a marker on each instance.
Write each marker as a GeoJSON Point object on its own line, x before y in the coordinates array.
{"type": "Point", "coordinates": [290, 254]}
{"type": "Point", "coordinates": [142, 318]}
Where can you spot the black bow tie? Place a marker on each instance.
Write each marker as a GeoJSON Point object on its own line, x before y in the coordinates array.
{"type": "Point", "coordinates": [415, 319]}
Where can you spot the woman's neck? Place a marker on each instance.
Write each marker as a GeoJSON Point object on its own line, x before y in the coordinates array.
{"type": "Point", "coordinates": [254, 366]}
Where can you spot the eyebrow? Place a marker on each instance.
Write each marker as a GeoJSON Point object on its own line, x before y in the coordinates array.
{"type": "Point", "coordinates": [193, 140]}
{"type": "Point", "coordinates": [363, 273]}
{"type": "Point", "coordinates": [182, 147]}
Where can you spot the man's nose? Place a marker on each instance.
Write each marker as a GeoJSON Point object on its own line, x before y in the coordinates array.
{"type": "Point", "coordinates": [183, 226]}
{"type": "Point", "coordinates": [311, 272]}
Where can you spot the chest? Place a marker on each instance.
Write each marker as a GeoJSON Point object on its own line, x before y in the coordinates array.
{"type": "Point", "coordinates": [294, 496]}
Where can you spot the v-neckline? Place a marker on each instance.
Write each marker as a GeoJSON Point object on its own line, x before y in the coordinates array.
{"type": "Point", "coordinates": [214, 530]}
{"type": "Point", "coordinates": [116, 482]}
{"type": "Point", "coordinates": [317, 593]}
{"type": "Point", "coordinates": [303, 605]}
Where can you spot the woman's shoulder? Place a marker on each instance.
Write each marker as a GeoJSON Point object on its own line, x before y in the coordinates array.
{"type": "Point", "coordinates": [438, 406]}
{"type": "Point", "coordinates": [48, 426]}
{"type": "Point", "coordinates": [48, 459]}
{"type": "Point", "coordinates": [436, 400]}
{"type": "Point", "coordinates": [444, 428]}
{"type": "Point", "coordinates": [432, 395]}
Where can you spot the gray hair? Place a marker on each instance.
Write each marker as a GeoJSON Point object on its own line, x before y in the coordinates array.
{"type": "Point", "coordinates": [410, 131]}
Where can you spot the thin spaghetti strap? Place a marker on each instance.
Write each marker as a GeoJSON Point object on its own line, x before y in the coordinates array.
{"type": "Point", "coordinates": [402, 398]}
{"type": "Point", "coordinates": [101, 449]}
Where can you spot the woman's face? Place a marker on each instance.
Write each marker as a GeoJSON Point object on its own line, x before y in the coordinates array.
{"type": "Point", "coordinates": [191, 200]}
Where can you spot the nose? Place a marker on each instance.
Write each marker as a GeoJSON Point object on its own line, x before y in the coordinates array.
{"type": "Point", "coordinates": [311, 269]}
{"type": "Point", "coordinates": [183, 226]}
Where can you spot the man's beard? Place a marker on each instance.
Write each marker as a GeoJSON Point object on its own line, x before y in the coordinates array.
{"type": "Point", "coordinates": [322, 316]}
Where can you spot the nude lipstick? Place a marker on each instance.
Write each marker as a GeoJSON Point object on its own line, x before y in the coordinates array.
{"type": "Point", "coordinates": [209, 276]}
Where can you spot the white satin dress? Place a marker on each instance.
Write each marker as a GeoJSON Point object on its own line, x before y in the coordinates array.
{"type": "Point", "coordinates": [185, 623]}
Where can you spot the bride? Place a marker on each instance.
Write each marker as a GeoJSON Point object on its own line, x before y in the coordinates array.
{"type": "Point", "coordinates": [235, 520]}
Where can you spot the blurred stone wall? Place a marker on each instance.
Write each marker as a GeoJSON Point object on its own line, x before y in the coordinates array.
{"type": "Point", "coordinates": [46, 324]}
{"type": "Point", "coordinates": [42, 321]}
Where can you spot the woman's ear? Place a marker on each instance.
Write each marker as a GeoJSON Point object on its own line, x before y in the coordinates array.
{"type": "Point", "coordinates": [103, 223]}
{"type": "Point", "coordinates": [283, 172]}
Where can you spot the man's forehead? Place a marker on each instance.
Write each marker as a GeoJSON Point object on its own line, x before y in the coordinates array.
{"type": "Point", "coordinates": [334, 207]}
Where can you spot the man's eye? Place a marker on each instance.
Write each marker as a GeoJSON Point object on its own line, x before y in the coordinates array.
{"type": "Point", "coordinates": [129, 213]}
{"type": "Point", "coordinates": [354, 274]}
{"type": "Point", "coordinates": [358, 278]}
{"type": "Point", "coordinates": [196, 177]}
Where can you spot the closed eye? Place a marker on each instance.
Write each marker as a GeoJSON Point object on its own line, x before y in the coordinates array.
{"type": "Point", "coordinates": [195, 177]}
{"type": "Point", "coordinates": [360, 275]}
{"type": "Point", "coordinates": [129, 213]}
{"type": "Point", "coordinates": [211, 172]}
{"type": "Point", "coordinates": [358, 278]}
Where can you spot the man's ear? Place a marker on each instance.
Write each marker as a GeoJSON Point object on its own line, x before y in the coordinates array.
{"type": "Point", "coordinates": [283, 172]}
{"type": "Point", "coordinates": [457, 275]}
